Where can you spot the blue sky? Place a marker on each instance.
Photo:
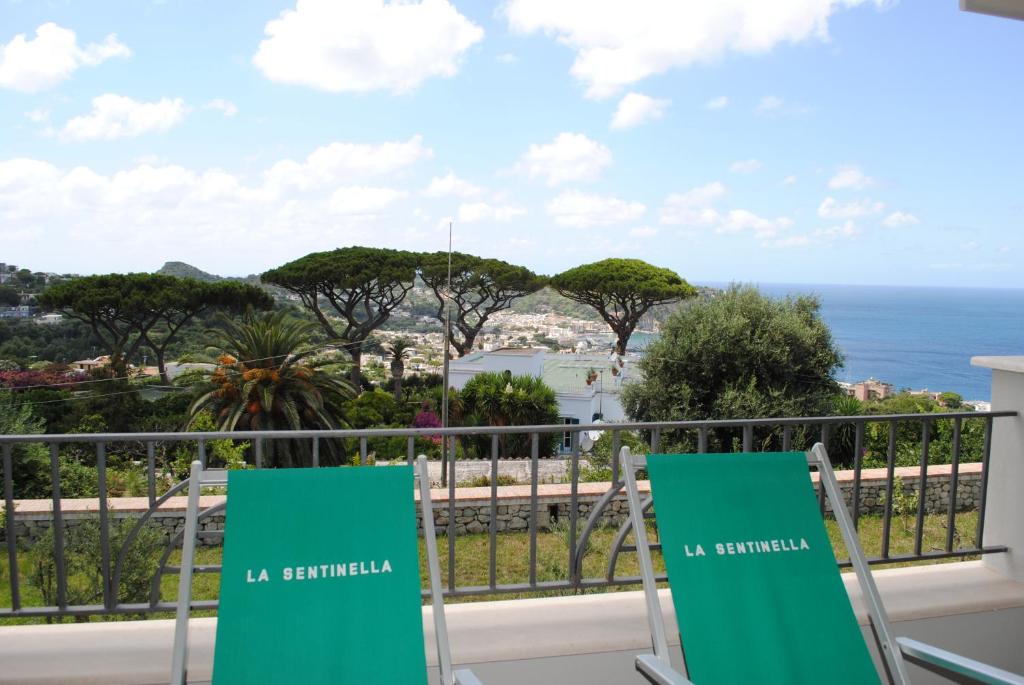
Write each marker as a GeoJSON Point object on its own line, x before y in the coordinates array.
{"type": "Point", "coordinates": [819, 141]}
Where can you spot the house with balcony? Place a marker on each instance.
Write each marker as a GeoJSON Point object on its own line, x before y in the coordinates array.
{"type": "Point", "coordinates": [588, 387]}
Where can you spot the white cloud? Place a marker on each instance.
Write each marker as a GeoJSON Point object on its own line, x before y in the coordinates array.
{"type": "Point", "coordinates": [739, 220]}
{"type": "Point", "coordinates": [643, 232]}
{"type": "Point", "coordinates": [40, 63]}
{"type": "Point", "coordinates": [694, 209]}
{"type": "Point", "coordinates": [789, 241]}
{"type": "Point", "coordinates": [620, 43]}
{"type": "Point", "coordinates": [117, 116]}
{"type": "Point", "coordinates": [746, 166]}
{"type": "Point", "coordinates": [507, 58]}
{"type": "Point", "coordinates": [830, 209]}
{"type": "Point", "coordinates": [720, 102]}
{"type": "Point", "coordinates": [481, 211]}
{"type": "Point", "coordinates": [847, 229]}
{"type": "Point", "coordinates": [689, 207]}
{"type": "Point", "coordinates": [789, 180]}
{"type": "Point", "coordinates": [768, 103]}
{"type": "Point", "coordinates": [852, 178]}
{"type": "Point", "coordinates": [584, 210]}
{"type": "Point", "coordinates": [142, 213]}
{"type": "Point", "coordinates": [970, 245]}
{"type": "Point", "coordinates": [570, 157]}
{"type": "Point", "coordinates": [226, 107]}
{"type": "Point", "coordinates": [361, 200]}
{"type": "Point", "coordinates": [820, 236]}
{"type": "Point", "coordinates": [38, 116]}
{"type": "Point", "coordinates": [340, 162]}
{"type": "Point", "coordinates": [635, 109]}
{"type": "Point", "coordinates": [900, 220]}
{"type": "Point", "coordinates": [365, 45]}
{"type": "Point", "coordinates": [450, 185]}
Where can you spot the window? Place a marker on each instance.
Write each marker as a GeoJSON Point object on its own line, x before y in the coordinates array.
{"type": "Point", "coordinates": [567, 436]}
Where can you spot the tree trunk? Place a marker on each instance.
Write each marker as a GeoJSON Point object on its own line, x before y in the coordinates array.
{"type": "Point", "coordinates": [467, 345]}
{"type": "Point", "coordinates": [118, 363]}
{"type": "Point", "coordinates": [623, 340]}
{"type": "Point", "coordinates": [356, 350]}
{"type": "Point", "coordinates": [164, 378]}
{"type": "Point", "coordinates": [397, 372]}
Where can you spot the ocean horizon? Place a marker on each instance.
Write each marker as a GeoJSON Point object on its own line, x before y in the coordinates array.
{"type": "Point", "coordinates": [918, 338]}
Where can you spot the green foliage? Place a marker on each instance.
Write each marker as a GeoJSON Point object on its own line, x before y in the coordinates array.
{"type": "Point", "coordinates": [904, 504]}
{"type": "Point", "coordinates": [740, 355]}
{"type": "Point", "coordinates": [622, 291]}
{"type": "Point", "coordinates": [600, 457]}
{"type": "Point", "coordinates": [119, 308]}
{"type": "Point", "coordinates": [83, 562]}
{"type": "Point", "coordinates": [76, 479]}
{"type": "Point", "coordinates": [376, 408]}
{"type": "Point", "coordinates": [182, 300]}
{"type": "Point", "coordinates": [30, 462]}
{"type": "Point", "coordinates": [479, 288]}
{"type": "Point", "coordinates": [277, 390]}
{"type": "Point", "coordinates": [951, 400]}
{"type": "Point", "coordinates": [129, 311]}
{"type": "Point", "coordinates": [9, 297]}
{"type": "Point", "coordinates": [398, 350]}
{"type": "Point", "coordinates": [484, 481]}
{"type": "Point", "coordinates": [26, 342]}
{"type": "Point", "coordinates": [363, 285]}
{"type": "Point", "coordinates": [501, 399]}
{"type": "Point", "coordinates": [223, 454]}
{"type": "Point", "coordinates": [909, 433]}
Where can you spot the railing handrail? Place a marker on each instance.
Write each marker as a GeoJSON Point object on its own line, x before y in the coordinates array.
{"type": "Point", "coordinates": [494, 430]}
{"type": "Point", "coordinates": [582, 520]}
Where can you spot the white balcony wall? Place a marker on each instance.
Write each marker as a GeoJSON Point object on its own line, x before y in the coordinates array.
{"type": "Point", "coordinates": [583, 640]}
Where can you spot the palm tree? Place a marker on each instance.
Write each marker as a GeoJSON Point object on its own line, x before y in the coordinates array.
{"type": "Point", "coordinates": [398, 349]}
{"type": "Point", "coordinates": [266, 380]}
{"type": "Point", "coordinates": [501, 399]}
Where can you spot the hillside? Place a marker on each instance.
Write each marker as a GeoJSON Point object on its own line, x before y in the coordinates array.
{"type": "Point", "coordinates": [183, 270]}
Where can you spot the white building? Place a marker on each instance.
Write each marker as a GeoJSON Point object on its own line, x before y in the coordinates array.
{"type": "Point", "coordinates": [566, 374]}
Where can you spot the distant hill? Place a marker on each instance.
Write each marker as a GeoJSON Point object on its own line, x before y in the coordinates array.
{"type": "Point", "coordinates": [183, 270]}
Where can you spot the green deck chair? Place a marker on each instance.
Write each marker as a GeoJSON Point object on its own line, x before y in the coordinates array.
{"type": "Point", "coordinates": [757, 592]}
{"type": "Point", "coordinates": [320, 581]}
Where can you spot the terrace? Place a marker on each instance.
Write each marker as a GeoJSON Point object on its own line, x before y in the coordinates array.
{"type": "Point", "coordinates": [541, 578]}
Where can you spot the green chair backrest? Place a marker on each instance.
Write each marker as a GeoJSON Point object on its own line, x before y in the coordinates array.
{"type": "Point", "coordinates": [756, 589]}
{"type": "Point", "coordinates": [321, 579]}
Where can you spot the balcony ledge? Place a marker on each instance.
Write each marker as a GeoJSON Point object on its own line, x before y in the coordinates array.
{"type": "Point", "coordinates": [481, 632]}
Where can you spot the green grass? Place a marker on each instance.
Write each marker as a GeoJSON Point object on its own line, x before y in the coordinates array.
{"type": "Point", "coordinates": [513, 554]}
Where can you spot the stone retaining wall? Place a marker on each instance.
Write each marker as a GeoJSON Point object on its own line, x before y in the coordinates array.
{"type": "Point", "coordinates": [472, 507]}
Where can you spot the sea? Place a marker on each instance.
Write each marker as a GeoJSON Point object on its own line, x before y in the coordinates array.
{"type": "Point", "coordinates": [915, 337]}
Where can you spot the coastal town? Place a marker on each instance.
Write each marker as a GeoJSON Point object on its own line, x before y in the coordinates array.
{"type": "Point", "coordinates": [583, 345]}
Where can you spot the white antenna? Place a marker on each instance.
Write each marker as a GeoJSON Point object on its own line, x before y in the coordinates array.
{"type": "Point", "coordinates": [444, 375]}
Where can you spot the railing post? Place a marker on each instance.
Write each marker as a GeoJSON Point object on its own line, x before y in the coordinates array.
{"type": "Point", "coordinates": [1003, 506]}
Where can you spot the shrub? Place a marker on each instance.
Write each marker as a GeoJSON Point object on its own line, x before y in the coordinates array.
{"type": "Point", "coordinates": [600, 457]}
{"type": "Point", "coordinates": [83, 563]}
{"type": "Point", "coordinates": [484, 481]}
{"type": "Point", "coordinates": [740, 355]}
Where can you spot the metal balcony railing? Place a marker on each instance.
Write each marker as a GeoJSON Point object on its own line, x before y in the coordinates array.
{"type": "Point", "coordinates": [848, 438]}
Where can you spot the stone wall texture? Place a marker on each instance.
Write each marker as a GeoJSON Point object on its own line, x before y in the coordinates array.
{"type": "Point", "coordinates": [472, 508]}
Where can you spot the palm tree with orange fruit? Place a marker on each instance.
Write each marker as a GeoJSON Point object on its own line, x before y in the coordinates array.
{"type": "Point", "coordinates": [266, 379]}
